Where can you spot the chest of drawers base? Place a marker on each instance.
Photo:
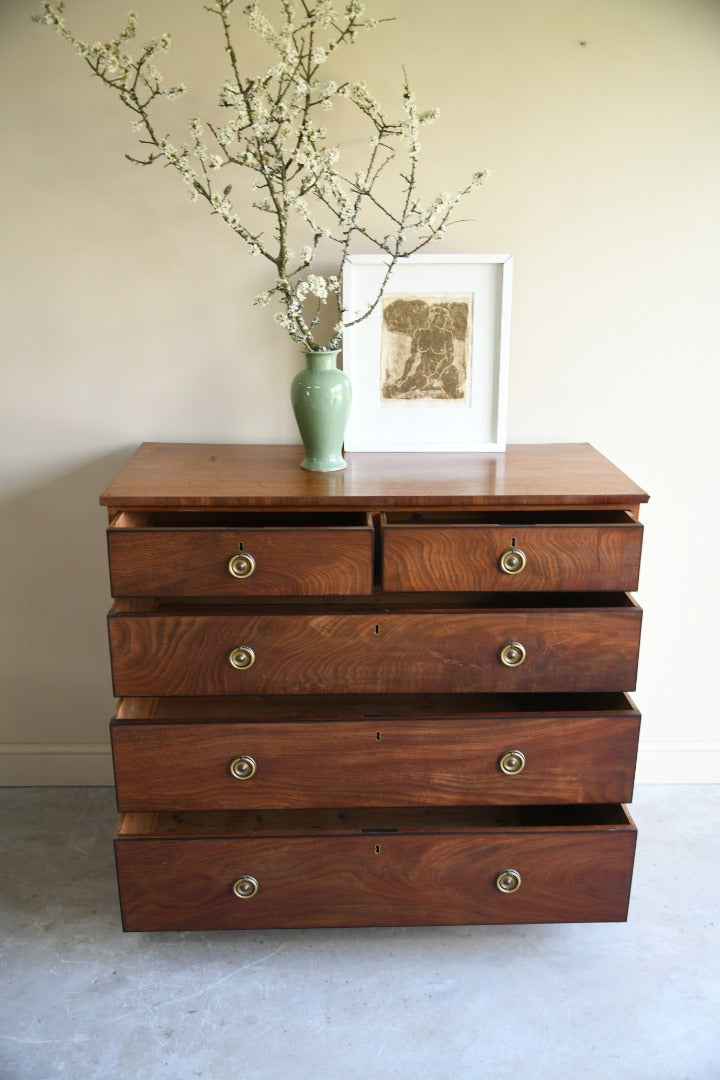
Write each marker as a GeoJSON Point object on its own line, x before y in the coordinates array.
{"type": "Point", "coordinates": [397, 696]}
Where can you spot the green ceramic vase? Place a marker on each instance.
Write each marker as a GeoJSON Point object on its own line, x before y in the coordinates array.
{"type": "Point", "coordinates": [320, 396]}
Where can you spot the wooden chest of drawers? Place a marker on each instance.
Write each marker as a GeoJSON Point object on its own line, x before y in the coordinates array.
{"type": "Point", "coordinates": [391, 696]}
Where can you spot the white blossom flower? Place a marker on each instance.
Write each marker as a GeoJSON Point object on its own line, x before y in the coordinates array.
{"type": "Point", "coordinates": [220, 204]}
{"type": "Point", "coordinates": [324, 13]}
{"type": "Point", "coordinates": [130, 28]}
{"type": "Point", "coordinates": [259, 22]}
{"type": "Point", "coordinates": [317, 286]}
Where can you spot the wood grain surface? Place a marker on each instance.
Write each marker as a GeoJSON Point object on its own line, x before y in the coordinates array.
{"type": "Point", "coordinates": [211, 475]}
{"type": "Point", "coordinates": [161, 561]}
{"type": "Point", "coordinates": [376, 880]}
{"type": "Point", "coordinates": [430, 558]}
{"type": "Point", "coordinates": [413, 762]}
{"type": "Point", "coordinates": [569, 649]}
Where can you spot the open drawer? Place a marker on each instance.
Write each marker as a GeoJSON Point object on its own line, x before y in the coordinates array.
{"type": "Point", "coordinates": [566, 642]}
{"type": "Point", "coordinates": [230, 554]}
{"type": "Point", "coordinates": [437, 750]}
{"type": "Point", "coordinates": [560, 551]}
{"type": "Point", "coordinates": [248, 870]}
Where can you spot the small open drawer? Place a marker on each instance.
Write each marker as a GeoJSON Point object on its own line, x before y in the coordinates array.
{"type": "Point", "coordinates": [558, 551]}
{"type": "Point", "coordinates": [176, 554]}
{"type": "Point", "coordinates": [249, 870]}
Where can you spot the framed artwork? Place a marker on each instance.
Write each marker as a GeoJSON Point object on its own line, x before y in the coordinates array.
{"type": "Point", "coordinates": [429, 365]}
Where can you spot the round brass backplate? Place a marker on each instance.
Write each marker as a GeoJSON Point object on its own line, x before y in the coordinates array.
{"type": "Point", "coordinates": [511, 762]}
{"type": "Point", "coordinates": [241, 657]}
{"type": "Point", "coordinates": [508, 881]}
{"type": "Point", "coordinates": [241, 565]}
{"type": "Point", "coordinates": [513, 561]}
{"type": "Point", "coordinates": [512, 654]}
{"type": "Point", "coordinates": [245, 887]}
{"type": "Point", "coordinates": [243, 767]}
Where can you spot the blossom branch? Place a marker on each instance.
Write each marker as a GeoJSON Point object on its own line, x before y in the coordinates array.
{"type": "Point", "coordinates": [271, 134]}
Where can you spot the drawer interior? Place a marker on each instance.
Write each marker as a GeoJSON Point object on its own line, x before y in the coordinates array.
{"type": "Point", "coordinates": [238, 519]}
{"type": "Point", "coordinates": [372, 821]}
{"type": "Point", "coordinates": [508, 517]}
{"type": "Point", "coordinates": [410, 603]}
{"type": "Point", "coordinates": [347, 707]}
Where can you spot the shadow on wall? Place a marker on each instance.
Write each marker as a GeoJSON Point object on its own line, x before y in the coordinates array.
{"type": "Point", "coordinates": [54, 666]}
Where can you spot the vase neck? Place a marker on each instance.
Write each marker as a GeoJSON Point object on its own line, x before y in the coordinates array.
{"type": "Point", "coordinates": [321, 361]}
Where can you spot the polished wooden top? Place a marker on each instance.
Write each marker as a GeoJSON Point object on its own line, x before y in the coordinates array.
{"type": "Point", "coordinates": [223, 475]}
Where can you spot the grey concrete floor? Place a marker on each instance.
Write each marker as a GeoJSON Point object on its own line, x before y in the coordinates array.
{"type": "Point", "coordinates": [80, 999]}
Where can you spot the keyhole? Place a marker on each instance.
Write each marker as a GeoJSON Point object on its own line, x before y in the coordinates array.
{"type": "Point", "coordinates": [378, 736]}
{"type": "Point", "coordinates": [377, 630]}
{"type": "Point", "coordinates": [377, 849]}
{"type": "Point", "coordinates": [513, 541]}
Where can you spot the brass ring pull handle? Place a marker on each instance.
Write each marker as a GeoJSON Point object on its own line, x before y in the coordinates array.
{"type": "Point", "coordinates": [513, 561]}
{"type": "Point", "coordinates": [243, 767]}
{"type": "Point", "coordinates": [508, 881]}
{"type": "Point", "coordinates": [245, 887]}
{"type": "Point", "coordinates": [241, 657]}
{"type": "Point", "coordinates": [512, 654]}
{"type": "Point", "coordinates": [241, 565]}
{"type": "Point", "coordinates": [511, 762]}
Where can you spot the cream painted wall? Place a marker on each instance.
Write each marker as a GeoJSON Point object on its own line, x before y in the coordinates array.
{"type": "Point", "coordinates": [125, 314]}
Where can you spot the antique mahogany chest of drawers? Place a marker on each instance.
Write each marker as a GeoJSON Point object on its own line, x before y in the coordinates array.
{"type": "Point", "coordinates": [391, 696]}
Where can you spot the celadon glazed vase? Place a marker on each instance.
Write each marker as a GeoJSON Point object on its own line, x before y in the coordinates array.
{"type": "Point", "coordinates": [320, 396]}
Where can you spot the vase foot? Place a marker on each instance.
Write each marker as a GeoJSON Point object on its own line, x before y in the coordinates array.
{"type": "Point", "coordinates": [319, 466]}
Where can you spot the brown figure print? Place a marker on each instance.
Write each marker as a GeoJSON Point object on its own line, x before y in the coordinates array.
{"type": "Point", "coordinates": [425, 349]}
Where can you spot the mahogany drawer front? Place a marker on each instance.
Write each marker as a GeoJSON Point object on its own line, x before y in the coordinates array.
{"type": "Point", "coordinates": [567, 648]}
{"type": "Point", "coordinates": [571, 555]}
{"type": "Point", "coordinates": [413, 762]}
{"type": "Point", "coordinates": [333, 557]}
{"type": "Point", "coordinates": [445, 872]}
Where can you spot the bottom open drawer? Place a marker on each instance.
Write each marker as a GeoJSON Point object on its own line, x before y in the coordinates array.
{"type": "Point", "coordinates": [376, 867]}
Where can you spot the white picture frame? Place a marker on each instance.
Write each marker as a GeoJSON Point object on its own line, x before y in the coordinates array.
{"type": "Point", "coordinates": [409, 392]}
